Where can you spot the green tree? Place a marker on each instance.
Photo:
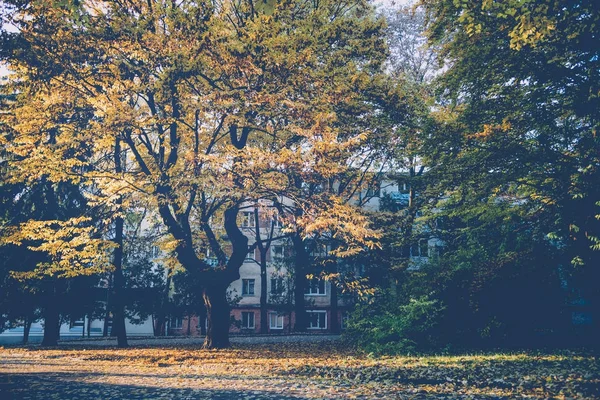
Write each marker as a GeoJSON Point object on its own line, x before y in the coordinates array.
{"type": "Point", "coordinates": [521, 90]}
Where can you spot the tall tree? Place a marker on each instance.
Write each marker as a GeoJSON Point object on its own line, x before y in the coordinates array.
{"type": "Point", "coordinates": [522, 87]}
{"type": "Point", "coordinates": [118, 286]}
{"type": "Point", "coordinates": [213, 100]}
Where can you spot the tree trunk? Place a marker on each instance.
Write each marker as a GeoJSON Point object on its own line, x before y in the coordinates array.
{"type": "Point", "coordinates": [118, 323]}
{"type": "Point", "coordinates": [51, 324]}
{"type": "Point", "coordinates": [108, 305]}
{"type": "Point", "coordinates": [118, 326]}
{"type": "Point", "coordinates": [332, 267]}
{"type": "Point", "coordinates": [161, 315]}
{"type": "Point", "coordinates": [217, 282]}
{"type": "Point", "coordinates": [27, 329]}
{"type": "Point", "coordinates": [301, 267]}
{"type": "Point", "coordinates": [264, 326]}
{"type": "Point", "coordinates": [335, 324]}
{"type": "Point", "coordinates": [217, 311]}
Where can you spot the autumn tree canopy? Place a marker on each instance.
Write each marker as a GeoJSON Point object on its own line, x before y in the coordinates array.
{"type": "Point", "coordinates": [211, 102]}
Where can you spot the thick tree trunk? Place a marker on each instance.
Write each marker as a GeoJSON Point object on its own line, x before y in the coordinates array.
{"type": "Point", "coordinates": [264, 324]}
{"type": "Point", "coordinates": [302, 262]}
{"type": "Point", "coordinates": [51, 324]}
{"type": "Point", "coordinates": [217, 282]}
{"type": "Point", "coordinates": [27, 329]}
{"type": "Point", "coordinates": [217, 311]}
{"type": "Point", "coordinates": [118, 324]}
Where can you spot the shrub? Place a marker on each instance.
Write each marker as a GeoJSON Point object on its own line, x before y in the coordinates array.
{"type": "Point", "coordinates": [385, 325]}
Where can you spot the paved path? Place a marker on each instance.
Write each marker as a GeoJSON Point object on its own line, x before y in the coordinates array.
{"type": "Point", "coordinates": [160, 368]}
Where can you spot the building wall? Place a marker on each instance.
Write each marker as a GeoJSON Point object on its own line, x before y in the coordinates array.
{"type": "Point", "coordinates": [15, 335]}
{"type": "Point", "coordinates": [288, 321]}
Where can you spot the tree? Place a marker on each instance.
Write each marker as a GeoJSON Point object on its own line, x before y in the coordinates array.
{"type": "Point", "coordinates": [410, 55]}
{"type": "Point", "coordinates": [213, 100]}
{"type": "Point", "coordinates": [118, 281]}
{"type": "Point", "coordinates": [46, 220]}
{"type": "Point", "coordinates": [525, 121]}
{"type": "Point", "coordinates": [19, 302]}
{"type": "Point", "coordinates": [34, 278]}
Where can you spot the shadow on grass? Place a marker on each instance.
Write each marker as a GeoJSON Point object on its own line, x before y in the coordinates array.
{"type": "Point", "coordinates": [179, 353]}
{"type": "Point", "coordinates": [73, 386]}
{"type": "Point", "coordinates": [532, 376]}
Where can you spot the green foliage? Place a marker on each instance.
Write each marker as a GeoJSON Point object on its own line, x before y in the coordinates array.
{"type": "Point", "coordinates": [387, 326]}
{"type": "Point", "coordinates": [497, 282]}
{"type": "Point", "coordinates": [522, 126]}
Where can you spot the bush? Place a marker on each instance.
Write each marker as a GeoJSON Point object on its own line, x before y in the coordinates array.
{"type": "Point", "coordinates": [384, 325]}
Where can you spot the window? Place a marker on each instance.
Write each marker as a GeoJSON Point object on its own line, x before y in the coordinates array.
{"type": "Point", "coordinates": [247, 320]}
{"type": "Point", "coordinates": [317, 319]}
{"type": "Point", "coordinates": [77, 322]}
{"type": "Point", "coordinates": [276, 286]}
{"type": "Point", "coordinates": [250, 255]}
{"type": "Point", "coordinates": [420, 249]}
{"type": "Point", "coordinates": [313, 187]}
{"type": "Point", "coordinates": [436, 251]}
{"type": "Point", "coordinates": [275, 321]}
{"type": "Point", "coordinates": [277, 252]}
{"type": "Point", "coordinates": [316, 287]}
{"type": "Point", "coordinates": [200, 320]}
{"type": "Point", "coordinates": [374, 190]}
{"type": "Point", "coordinates": [210, 258]}
{"type": "Point", "coordinates": [248, 219]}
{"type": "Point", "coordinates": [247, 287]}
{"type": "Point", "coordinates": [320, 250]}
{"type": "Point", "coordinates": [177, 323]}
{"type": "Point", "coordinates": [276, 221]}
{"type": "Point", "coordinates": [213, 262]}
{"type": "Point", "coordinates": [424, 248]}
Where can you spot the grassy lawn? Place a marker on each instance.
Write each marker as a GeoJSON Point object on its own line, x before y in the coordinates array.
{"type": "Point", "coordinates": [290, 371]}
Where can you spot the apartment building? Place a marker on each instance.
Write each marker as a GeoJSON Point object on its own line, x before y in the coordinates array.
{"type": "Point", "coordinates": [245, 292]}
{"type": "Point", "coordinates": [246, 313]}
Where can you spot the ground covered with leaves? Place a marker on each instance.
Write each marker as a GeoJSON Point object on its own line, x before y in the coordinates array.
{"type": "Point", "coordinates": [302, 370]}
